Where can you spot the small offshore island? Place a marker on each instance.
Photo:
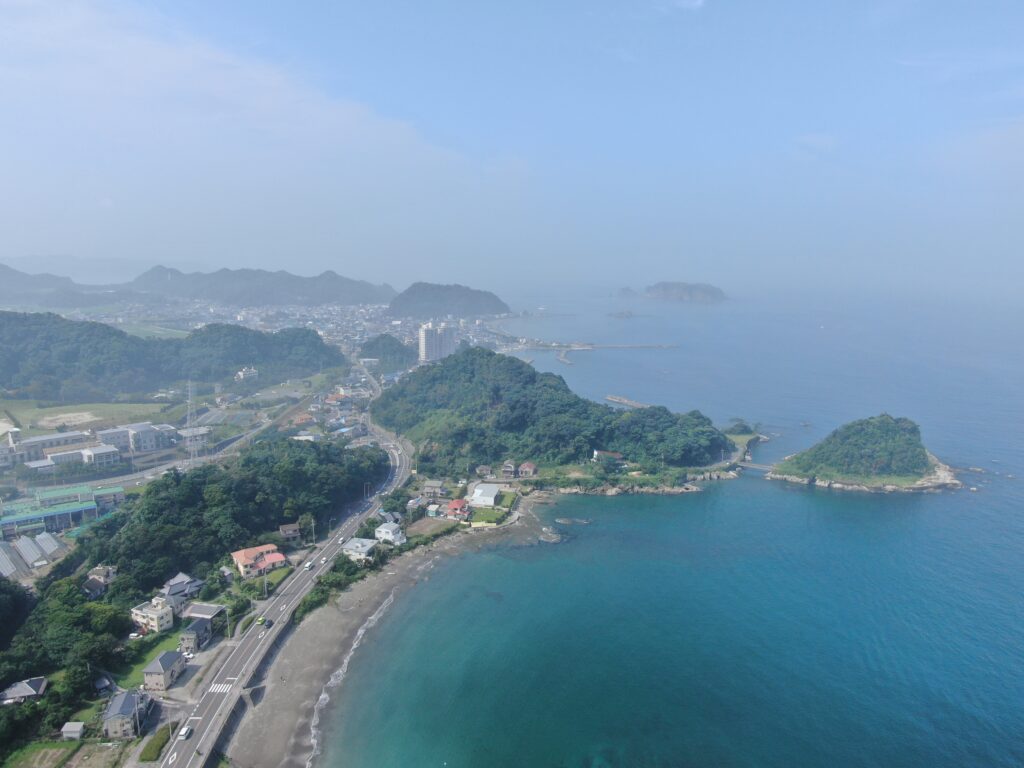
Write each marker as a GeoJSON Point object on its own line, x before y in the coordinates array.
{"type": "Point", "coordinates": [880, 454]}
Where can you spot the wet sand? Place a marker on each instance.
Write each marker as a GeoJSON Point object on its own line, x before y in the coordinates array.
{"type": "Point", "coordinates": [281, 730]}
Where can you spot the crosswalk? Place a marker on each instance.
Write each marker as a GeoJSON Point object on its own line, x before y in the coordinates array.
{"type": "Point", "coordinates": [220, 687]}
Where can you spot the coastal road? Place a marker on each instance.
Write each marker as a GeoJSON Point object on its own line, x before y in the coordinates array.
{"type": "Point", "coordinates": [220, 693]}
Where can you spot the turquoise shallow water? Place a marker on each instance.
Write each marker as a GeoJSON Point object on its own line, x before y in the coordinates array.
{"type": "Point", "coordinates": [755, 624]}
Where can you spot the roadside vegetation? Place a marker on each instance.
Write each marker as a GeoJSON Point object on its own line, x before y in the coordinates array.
{"type": "Point", "coordinates": [181, 522]}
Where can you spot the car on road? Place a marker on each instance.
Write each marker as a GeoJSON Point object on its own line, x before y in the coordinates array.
{"type": "Point", "coordinates": [269, 624]}
{"type": "Point", "coordinates": [323, 560]}
{"type": "Point", "coordinates": [184, 733]}
{"type": "Point", "coordinates": [261, 620]}
{"type": "Point", "coordinates": [308, 565]}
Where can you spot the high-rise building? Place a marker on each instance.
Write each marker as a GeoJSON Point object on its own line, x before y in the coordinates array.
{"type": "Point", "coordinates": [436, 341]}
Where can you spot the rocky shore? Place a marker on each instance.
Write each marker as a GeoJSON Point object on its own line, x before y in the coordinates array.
{"type": "Point", "coordinates": [940, 478]}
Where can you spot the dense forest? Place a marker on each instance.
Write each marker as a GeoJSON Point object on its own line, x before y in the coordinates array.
{"type": "Point", "coordinates": [875, 447]}
{"type": "Point", "coordinates": [181, 522]}
{"type": "Point", "coordinates": [392, 354]}
{"type": "Point", "coordinates": [44, 356]}
{"type": "Point", "coordinates": [479, 406]}
{"type": "Point", "coordinates": [429, 300]}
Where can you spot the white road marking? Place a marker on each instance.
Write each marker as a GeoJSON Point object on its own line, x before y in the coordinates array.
{"type": "Point", "coordinates": [220, 688]}
{"type": "Point", "coordinates": [174, 756]}
{"type": "Point", "coordinates": [263, 634]}
{"type": "Point", "coordinates": [195, 718]}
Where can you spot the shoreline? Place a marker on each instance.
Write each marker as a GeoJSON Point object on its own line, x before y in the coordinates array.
{"type": "Point", "coordinates": [282, 724]}
{"type": "Point", "coordinates": [940, 478]}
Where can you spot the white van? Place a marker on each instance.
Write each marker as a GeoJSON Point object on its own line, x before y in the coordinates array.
{"type": "Point", "coordinates": [184, 733]}
{"type": "Point", "coordinates": [309, 565]}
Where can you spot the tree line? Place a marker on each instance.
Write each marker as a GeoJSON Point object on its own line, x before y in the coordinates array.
{"type": "Point", "coordinates": [479, 406]}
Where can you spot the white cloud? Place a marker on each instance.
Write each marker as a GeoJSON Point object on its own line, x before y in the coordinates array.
{"type": "Point", "coordinates": [215, 155]}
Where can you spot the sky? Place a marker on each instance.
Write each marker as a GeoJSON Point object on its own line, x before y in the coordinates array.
{"type": "Point", "coordinates": [870, 145]}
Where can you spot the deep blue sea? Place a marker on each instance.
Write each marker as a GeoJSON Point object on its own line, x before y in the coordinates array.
{"type": "Point", "coordinates": [754, 624]}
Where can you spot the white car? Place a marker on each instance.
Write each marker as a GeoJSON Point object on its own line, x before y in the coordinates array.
{"type": "Point", "coordinates": [184, 733]}
{"type": "Point", "coordinates": [323, 560]}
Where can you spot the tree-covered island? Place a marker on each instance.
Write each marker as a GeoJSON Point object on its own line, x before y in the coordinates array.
{"type": "Point", "coordinates": [478, 407]}
{"type": "Point", "coordinates": [881, 453]}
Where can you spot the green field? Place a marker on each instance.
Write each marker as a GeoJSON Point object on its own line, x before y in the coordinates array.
{"type": "Point", "coordinates": [42, 754]}
{"type": "Point", "coordinates": [35, 419]}
{"type": "Point", "coordinates": [495, 515]}
{"type": "Point", "coordinates": [148, 331]}
{"type": "Point", "coordinates": [132, 676]}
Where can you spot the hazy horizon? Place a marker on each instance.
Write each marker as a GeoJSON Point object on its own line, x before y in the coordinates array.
{"type": "Point", "coordinates": [863, 147]}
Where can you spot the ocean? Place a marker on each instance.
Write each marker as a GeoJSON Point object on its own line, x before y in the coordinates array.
{"type": "Point", "coordinates": [753, 624]}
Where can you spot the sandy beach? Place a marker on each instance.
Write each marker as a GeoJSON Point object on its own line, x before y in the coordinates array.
{"type": "Point", "coordinates": [306, 673]}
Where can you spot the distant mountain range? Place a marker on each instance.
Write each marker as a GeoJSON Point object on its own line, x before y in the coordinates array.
{"type": "Point", "coordinates": [242, 287]}
{"type": "Point", "coordinates": [429, 300]}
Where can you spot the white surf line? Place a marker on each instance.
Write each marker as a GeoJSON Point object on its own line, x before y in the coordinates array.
{"type": "Point", "coordinates": [339, 675]}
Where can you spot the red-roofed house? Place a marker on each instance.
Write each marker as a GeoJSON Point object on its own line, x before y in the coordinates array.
{"type": "Point", "coordinates": [527, 469]}
{"type": "Point", "coordinates": [256, 560]}
{"type": "Point", "coordinates": [458, 509]}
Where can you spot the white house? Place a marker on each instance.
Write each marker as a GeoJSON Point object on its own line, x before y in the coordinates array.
{"type": "Point", "coordinates": [358, 550]}
{"type": "Point", "coordinates": [390, 533]}
{"type": "Point", "coordinates": [485, 495]}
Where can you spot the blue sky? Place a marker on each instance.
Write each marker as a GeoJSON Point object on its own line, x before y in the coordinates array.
{"type": "Point", "coordinates": [864, 145]}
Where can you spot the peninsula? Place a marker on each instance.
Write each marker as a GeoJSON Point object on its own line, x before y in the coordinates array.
{"type": "Point", "coordinates": [879, 454]}
{"type": "Point", "coordinates": [478, 408]}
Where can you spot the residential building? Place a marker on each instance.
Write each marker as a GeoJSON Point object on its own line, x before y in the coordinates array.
{"type": "Point", "coordinates": [34, 448]}
{"type": "Point", "coordinates": [196, 635]}
{"type": "Point", "coordinates": [119, 437]}
{"type": "Point", "coordinates": [458, 509]}
{"type": "Point", "coordinates": [255, 561]}
{"type": "Point", "coordinates": [179, 590]}
{"type": "Point", "coordinates": [358, 550]}
{"type": "Point", "coordinates": [433, 510]}
{"type": "Point", "coordinates": [125, 714]}
{"type": "Point", "coordinates": [247, 373]}
{"type": "Point", "coordinates": [434, 489]}
{"type": "Point", "coordinates": [101, 455]}
{"type": "Point", "coordinates": [25, 690]}
{"type": "Point", "coordinates": [390, 533]}
{"type": "Point", "coordinates": [527, 469]}
{"type": "Point", "coordinates": [161, 672]}
{"type": "Point", "coordinates": [436, 342]}
{"type": "Point", "coordinates": [484, 470]}
{"type": "Point", "coordinates": [508, 470]}
{"type": "Point", "coordinates": [72, 731]}
{"type": "Point", "coordinates": [154, 616]}
{"type": "Point", "coordinates": [485, 495]}
{"type": "Point", "coordinates": [145, 438]}
{"type": "Point", "coordinates": [289, 531]}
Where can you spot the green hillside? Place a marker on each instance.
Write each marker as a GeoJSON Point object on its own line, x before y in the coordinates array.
{"type": "Point", "coordinates": [877, 447]}
{"type": "Point", "coordinates": [392, 354]}
{"type": "Point", "coordinates": [479, 406]}
{"type": "Point", "coordinates": [428, 300]}
{"type": "Point", "coordinates": [46, 357]}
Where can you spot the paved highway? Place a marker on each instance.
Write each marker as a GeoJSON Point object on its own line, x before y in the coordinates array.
{"type": "Point", "coordinates": [221, 690]}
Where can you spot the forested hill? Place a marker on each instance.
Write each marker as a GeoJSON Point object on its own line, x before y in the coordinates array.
{"type": "Point", "coordinates": [45, 356]}
{"type": "Point", "coordinates": [257, 286]}
{"type": "Point", "coordinates": [880, 446]}
{"type": "Point", "coordinates": [392, 354]}
{"type": "Point", "coordinates": [479, 406]}
{"type": "Point", "coordinates": [427, 300]}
